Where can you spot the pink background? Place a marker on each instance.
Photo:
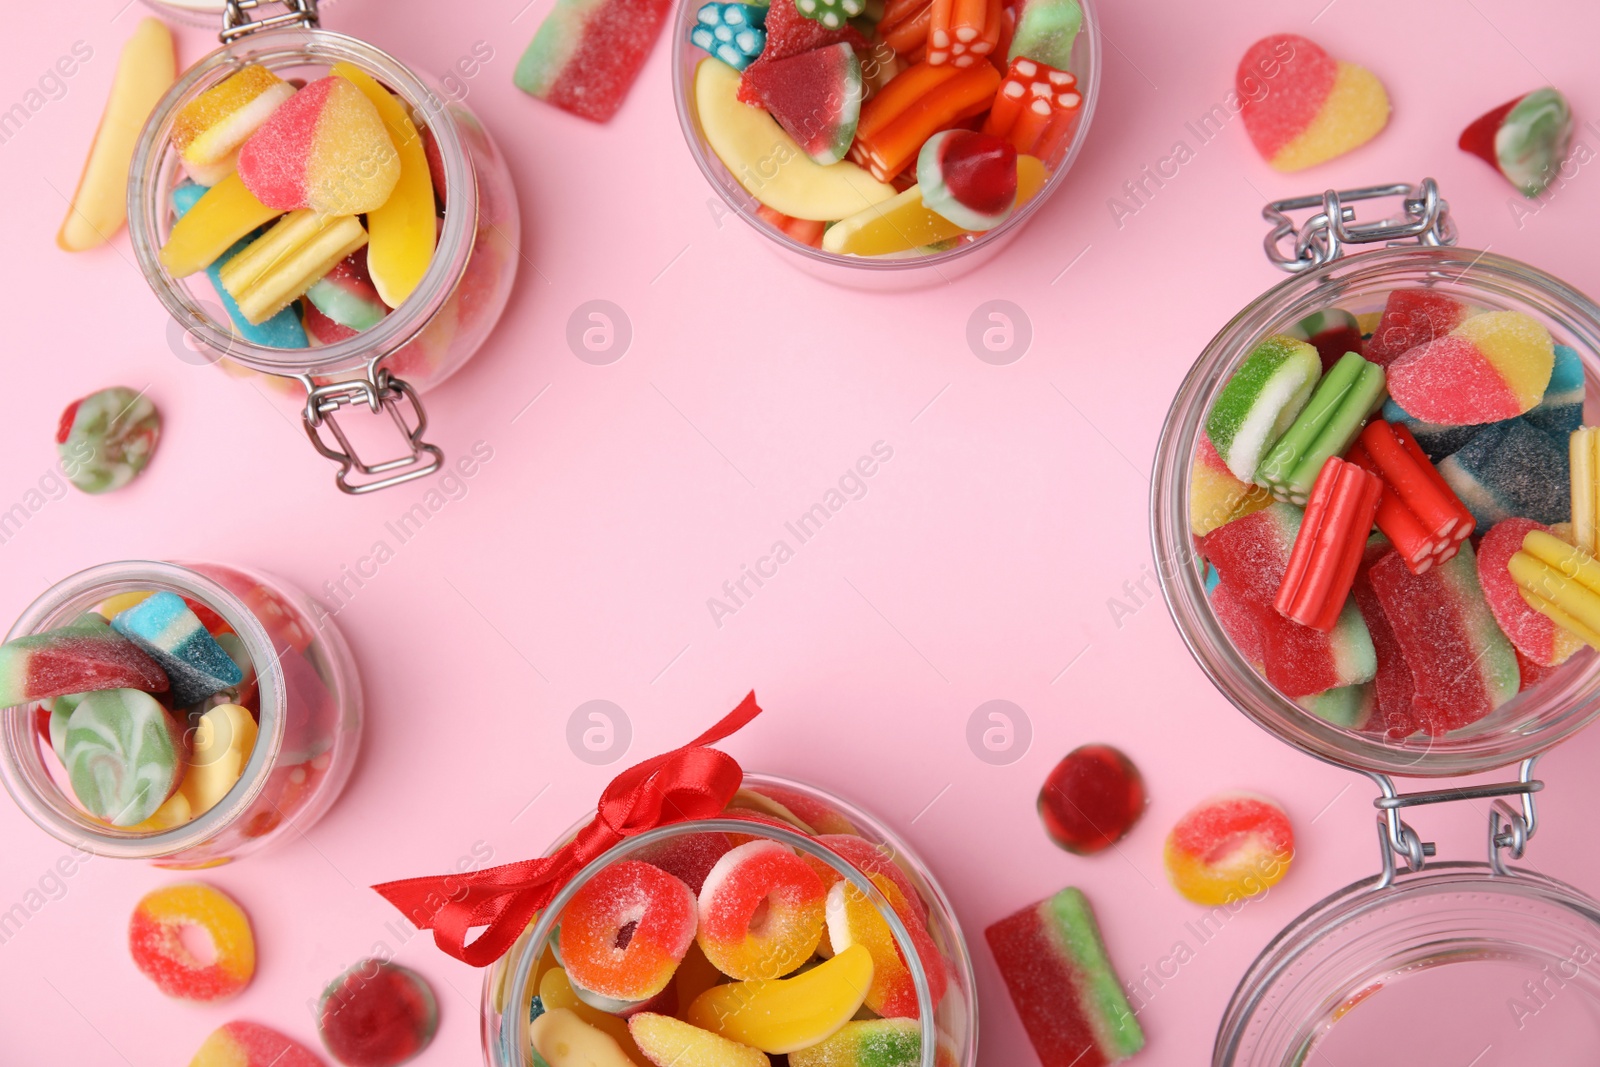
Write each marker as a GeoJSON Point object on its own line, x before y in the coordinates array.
{"type": "Point", "coordinates": [980, 565]}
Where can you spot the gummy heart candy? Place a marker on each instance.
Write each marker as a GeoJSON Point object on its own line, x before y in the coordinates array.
{"type": "Point", "coordinates": [782, 1015]}
{"type": "Point", "coordinates": [1524, 139]}
{"type": "Point", "coordinates": [170, 633]}
{"type": "Point", "coordinates": [969, 178]}
{"type": "Point", "coordinates": [1228, 848]}
{"type": "Point", "coordinates": [815, 96]}
{"type": "Point", "coordinates": [242, 1044]}
{"type": "Point", "coordinates": [125, 755]}
{"type": "Point", "coordinates": [1413, 317]}
{"type": "Point", "coordinates": [790, 33]}
{"type": "Point", "coordinates": [1062, 984]}
{"type": "Point", "coordinates": [624, 932]}
{"type": "Point", "coordinates": [325, 148]}
{"type": "Point", "coordinates": [586, 54]}
{"type": "Point", "coordinates": [733, 33]}
{"type": "Point", "coordinates": [106, 439]}
{"type": "Point", "coordinates": [1534, 634]}
{"type": "Point", "coordinates": [760, 880]}
{"type": "Point", "coordinates": [1261, 401]}
{"type": "Point", "coordinates": [209, 129]}
{"type": "Point", "coordinates": [73, 660]}
{"type": "Point", "coordinates": [1492, 366]}
{"type": "Point", "coordinates": [377, 1014]}
{"type": "Point", "coordinates": [1302, 107]}
{"type": "Point", "coordinates": [1091, 799]}
{"type": "Point", "coordinates": [157, 943]}
{"type": "Point", "coordinates": [669, 1042]}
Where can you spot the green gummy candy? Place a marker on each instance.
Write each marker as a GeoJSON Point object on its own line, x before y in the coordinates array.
{"type": "Point", "coordinates": [1343, 401]}
{"type": "Point", "coordinates": [1261, 400]}
{"type": "Point", "coordinates": [1533, 139]}
{"type": "Point", "coordinates": [1046, 30]}
{"type": "Point", "coordinates": [1073, 922]}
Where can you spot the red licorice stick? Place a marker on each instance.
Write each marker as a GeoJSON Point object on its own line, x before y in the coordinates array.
{"type": "Point", "coordinates": [1419, 512]}
{"type": "Point", "coordinates": [1333, 535]}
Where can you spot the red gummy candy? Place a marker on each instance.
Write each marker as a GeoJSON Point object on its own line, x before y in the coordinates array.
{"type": "Point", "coordinates": [1091, 799]}
{"type": "Point", "coordinates": [1478, 138]}
{"type": "Point", "coordinates": [689, 858]}
{"type": "Point", "coordinates": [1394, 687]}
{"type": "Point", "coordinates": [377, 1014]}
{"type": "Point", "coordinates": [788, 34]}
{"type": "Point", "coordinates": [1413, 317]}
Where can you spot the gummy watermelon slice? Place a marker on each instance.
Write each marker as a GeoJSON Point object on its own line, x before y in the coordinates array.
{"type": "Point", "coordinates": [790, 33]}
{"type": "Point", "coordinates": [815, 96]}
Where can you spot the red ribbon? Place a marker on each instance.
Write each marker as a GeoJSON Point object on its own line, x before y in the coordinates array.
{"type": "Point", "coordinates": [692, 782]}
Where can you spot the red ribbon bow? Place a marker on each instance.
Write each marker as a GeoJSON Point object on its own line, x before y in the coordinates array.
{"type": "Point", "coordinates": [692, 782]}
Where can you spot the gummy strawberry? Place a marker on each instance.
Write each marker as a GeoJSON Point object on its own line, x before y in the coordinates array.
{"type": "Point", "coordinates": [815, 96]}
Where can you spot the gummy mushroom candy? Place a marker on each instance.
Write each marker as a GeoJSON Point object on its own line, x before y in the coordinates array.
{"type": "Point", "coordinates": [1525, 139]}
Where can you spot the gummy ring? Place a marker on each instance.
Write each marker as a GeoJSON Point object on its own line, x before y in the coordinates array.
{"type": "Point", "coordinates": [157, 942]}
{"type": "Point", "coordinates": [762, 911]}
{"type": "Point", "coordinates": [624, 931]}
{"type": "Point", "coordinates": [1228, 848]}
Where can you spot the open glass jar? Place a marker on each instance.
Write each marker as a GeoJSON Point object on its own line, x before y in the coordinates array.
{"type": "Point", "coordinates": [948, 1028]}
{"type": "Point", "coordinates": [308, 732]}
{"type": "Point", "coordinates": [417, 345]}
{"type": "Point", "coordinates": [1387, 952]}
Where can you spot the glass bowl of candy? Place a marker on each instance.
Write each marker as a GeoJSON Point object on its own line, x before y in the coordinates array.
{"type": "Point", "coordinates": [886, 143]}
{"type": "Point", "coordinates": [1368, 528]}
{"type": "Point", "coordinates": [792, 924]}
{"type": "Point", "coordinates": [182, 713]}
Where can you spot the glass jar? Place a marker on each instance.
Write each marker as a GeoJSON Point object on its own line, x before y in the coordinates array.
{"type": "Point", "coordinates": [949, 1029]}
{"type": "Point", "coordinates": [906, 270]}
{"type": "Point", "coordinates": [417, 345]}
{"type": "Point", "coordinates": [309, 727]}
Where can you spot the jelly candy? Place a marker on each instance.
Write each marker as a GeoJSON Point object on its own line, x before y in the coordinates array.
{"type": "Point", "coordinates": [586, 54]}
{"type": "Point", "coordinates": [747, 140]}
{"type": "Point", "coordinates": [694, 976]}
{"type": "Point", "coordinates": [918, 103]}
{"type": "Point", "coordinates": [403, 229]}
{"type": "Point", "coordinates": [1350, 707]}
{"type": "Point", "coordinates": [174, 812]}
{"type": "Point", "coordinates": [1339, 407]}
{"type": "Point", "coordinates": [1216, 497]}
{"type": "Point", "coordinates": [125, 755]}
{"type": "Point", "coordinates": [1560, 411]}
{"type": "Point", "coordinates": [905, 222]}
{"type": "Point", "coordinates": [1228, 848]}
{"type": "Point", "coordinates": [1333, 333]}
{"type": "Point", "coordinates": [556, 992]}
{"type": "Point", "coordinates": [224, 215]}
{"type": "Point", "coordinates": [904, 28]}
{"type": "Point", "coordinates": [164, 627]}
{"type": "Point", "coordinates": [806, 231]}
{"type": "Point", "coordinates": [283, 330]}
{"type": "Point", "coordinates": [962, 32]}
{"type": "Point", "coordinates": [275, 268]}
{"type": "Point", "coordinates": [1091, 799]}
{"type": "Point", "coordinates": [347, 295]}
{"type": "Point", "coordinates": [815, 96]}
{"type": "Point", "coordinates": [325, 149]}
{"type": "Point", "coordinates": [669, 1042]}
{"type": "Point", "coordinates": [1525, 139]}
{"type": "Point", "coordinates": [377, 1014]}
{"type": "Point", "coordinates": [1046, 30]}
{"type": "Point", "coordinates": [790, 33]}
{"type": "Point", "coordinates": [1036, 108]}
{"type": "Point", "coordinates": [1560, 582]}
{"type": "Point", "coordinates": [1583, 453]}
{"type": "Point", "coordinates": [853, 919]}
{"type": "Point", "coordinates": [869, 859]}
{"type": "Point", "coordinates": [106, 439]}
{"type": "Point", "coordinates": [969, 178]}
{"type": "Point", "coordinates": [1393, 688]}
{"type": "Point", "coordinates": [733, 33]}
{"type": "Point", "coordinates": [1418, 511]}
{"type": "Point", "coordinates": [1493, 366]}
{"type": "Point", "coordinates": [831, 13]}
{"type": "Point", "coordinates": [242, 1044]}
{"type": "Point", "coordinates": [687, 857]}
{"type": "Point", "coordinates": [1413, 317]}
{"type": "Point", "coordinates": [870, 1043]}
{"type": "Point", "coordinates": [72, 660]}
{"type": "Point", "coordinates": [1436, 441]}
{"type": "Point", "coordinates": [1330, 544]}
{"type": "Point", "coordinates": [782, 1015]}
{"type": "Point", "coordinates": [156, 941]}
{"type": "Point", "coordinates": [146, 69]}
{"type": "Point", "coordinates": [224, 737]}
{"type": "Point", "coordinates": [1306, 108]}
{"type": "Point", "coordinates": [1261, 401]}
{"type": "Point", "coordinates": [1511, 469]}
{"type": "Point", "coordinates": [1534, 635]}
{"type": "Point", "coordinates": [209, 129]}
{"type": "Point", "coordinates": [624, 932]}
{"type": "Point", "coordinates": [766, 878]}
{"type": "Point", "coordinates": [1061, 982]}
{"type": "Point", "coordinates": [1238, 620]}
{"type": "Point", "coordinates": [561, 1039]}
{"type": "Point", "coordinates": [1461, 663]}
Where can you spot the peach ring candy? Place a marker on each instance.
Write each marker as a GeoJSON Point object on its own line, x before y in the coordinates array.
{"type": "Point", "coordinates": [1092, 799]}
{"type": "Point", "coordinates": [325, 148]}
{"type": "Point", "coordinates": [160, 949]}
{"type": "Point", "coordinates": [869, 859]}
{"type": "Point", "coordinates": [855, 920]}
{"type": "Point", "coordinates": [761, 911]}
{"type": "Point", "coordinates": [783, 1015]}
{"type": "Point", "coordinates": [1302, 107]}
{"type": "Point", "coordinates": [624, 932]}
{"type": "Point", "coordinates": [377, 1014]}
{"type": "Point", "coordinates": [242, 1044]}
{"type": "Point", "coordinates": [1228, 848]}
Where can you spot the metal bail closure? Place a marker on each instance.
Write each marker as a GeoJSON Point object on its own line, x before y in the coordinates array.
{"type": "Point", "coordinates": [379, 392]}
{"type": "Point", "coordinates": [1321, 238]}
{"type": "Point", "coordinates": [236, 22]}
{"type": "Point", "coordinates": [1509, 829]}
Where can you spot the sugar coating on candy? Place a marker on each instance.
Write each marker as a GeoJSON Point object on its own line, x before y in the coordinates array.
{"type": "Point", "coordinates": [1533, 634]}
{"type": "Point", "coordinates": [212, 126]}
{"type": "Point", "coordinates": [1392, 686]}
{"type": "Point", "coordinates": [1492, 366]}
{"type": "Point", "coordinates": [1436, 440]}
{"type": "Point", "coordinates": [1350, 707]}
{"type": "Point", "coordinates": [586, 53]}
{"type": "Point", "coordinates": [1261, 400]}
{"type": "Point", "coordinates": [732, 32]}
{"type": "Point", "coordinates": [107, 438]}
{"type": "Point", "coordinates": [1302, 107]}
{"type": "Point", "coordinates": [73, 660]}
{"type": "Point", "coordinates": [625, 930]}
{"type": "Point", "coordinates": [1332, 332]}
{"type": "Point", "coordinates": [760, 911]}
{"type": "Point", "coordinates": [1525, 139]}
{"type": "Point", "coordinates": [347, 295]}
{"type": "Point", "coordinates": [1061, 981]}
{"type": "Point", "coordinates": [1091, 799]}
{"type": "Point", "coordinates": [326, 148]}
{"type": "Point", "coordinates": [156, 939]}
{"type": "Point", "coordinates": [1045, 31]}
{"type": "Point", "coordinates": [1511, 469]}
{"type": "Point", "coordinates": [1216, 497]}
{"type": "Point", "coordinates": [869, 1043]}
{"type": "Point", "coordinates": [1238, 621]}
{"type": "Point", "coordinates": [815, 96]}
{"type": "Point", "coordinates": [1413, 317]}
{"type": "Point", "coordinates": [831, 13]}
{"type": "Point", "coordinates": [969, 178]}
{"type": "Point", "coordinates": [245, 1044]}
{"type": "Point", "coordinates": [1560, 411]}
{"type": "Point", "coordinates": [125, 755]}
{"type": "Point", "coordinates": [853, 919]}
{"type": "Point", "coordinates": [869, 859]}
{"type": "Point", "coordinates": [790, 33]}
{"type": "Point", "coordinates": [688, 857]}
{"type": "Point", "coordinates": [669, 1042]}
{"type": "Point", "coordinates": [166, 630]}
{"type": "Point", "coordinates": [783, 1015]}
{"type": "Point", "coordinates": [1339, 407]}
{"type": "Point", "coordinates": [1229, 847]}
{"type": "Point", "coordinates": [283, 330]}
{"type": "Point", "coordinates": [377, 1014]}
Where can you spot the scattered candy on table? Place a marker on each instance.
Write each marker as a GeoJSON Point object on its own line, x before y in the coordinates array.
{"type": "Point", "coordinates": [1525, 139]}
{"type": "Point", "coordinates": [1302, 107]}
{"type": "Point", "coordinates": [586, 54]}
{"type": "Point", "coordinates": [377, 1014]}
{"type": "Point", "coordinates": [1091, 799]}
{"type": "Point", "coordinates": [245, 1044]}
{"type": "Point", "coordinates": [1228, 848]}
{"type": "Point", "coordinates": [156, 939]}
{"type": "Point", "coordinates": [105, 440]}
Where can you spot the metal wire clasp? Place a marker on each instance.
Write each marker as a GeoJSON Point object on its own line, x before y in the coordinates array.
{"type": "Point", "coordinates": [1321, 238]}
{"type": "Point", "coordinates": [380, 392]}
{"type": "Point", "coordinates": [237, 23]}
{"type": "Point", "coordinates": [1509, 830]}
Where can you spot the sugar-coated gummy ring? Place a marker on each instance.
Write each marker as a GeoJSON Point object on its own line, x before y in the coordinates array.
{"type": "Point", "coordinates": [377, 1014]}
{"type": "Point", "coordinates": [625, 930]}
{"type": "Point", "coordinates": [1230, 847]}
{"type": "Point", "coordinates": [762, 911]}
{"type": "Point", "coordinates": [156, 942]}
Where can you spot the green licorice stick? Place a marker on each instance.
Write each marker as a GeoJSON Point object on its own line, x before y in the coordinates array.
{"type": "Point", "coordinates": [1343, 401]}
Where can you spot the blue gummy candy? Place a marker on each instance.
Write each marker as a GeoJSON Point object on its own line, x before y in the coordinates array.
{"type": "Point", "coordinates": [1436, 440]}
{"type": "Point", "coordinates": [1512, 469]}
{"type": "Point", "coordinates": [734, 33]}
{"type": "Point", "coordinates": [282, 330]}
{"type": "Point", "coordinates": [168, 632]}
{"type": "Point", "coordinates": [1561, 410]}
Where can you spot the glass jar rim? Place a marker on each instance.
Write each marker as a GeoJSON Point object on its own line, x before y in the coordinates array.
{"type": "Point", "coordinates": [31, 786]}
{"type": "Point", "coordinates": [1173, 543]}
{"type": "Point", "coordinates": [708, 163]}
{"type": "Point", "coordinates": [282, 47]}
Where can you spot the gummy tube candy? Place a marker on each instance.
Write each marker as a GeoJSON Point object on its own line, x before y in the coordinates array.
{"type": "Point", "coordinates": [1419, 512]}
{"type": "Point", "coordinates": [734, 33]}
{"type": "Point", "coordinates": [918, 103]}
{"type": "Point", "coordinates": [1344, 399]}
{"type": "Point", "coordinates": [1535, 635]}
{"type": "Point", "coordinates": [1561, 582]}
{"type": "Point", "coordinates": [961, 32]}
{"type": "Point", "coordinates": [1584, 455]}
{"type": "Point", "coordinates": [280, 265]}
{"type": "Point", "coordinates": [1036, 109]}
{"type": "Point", "coordinates": [1328, 549]}
{"type": "Point", "coordinates": [904, 26]}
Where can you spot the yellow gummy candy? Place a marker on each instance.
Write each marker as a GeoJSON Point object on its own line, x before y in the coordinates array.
{"type": "Point", "coordinates": [695, 974]}
{"type": "Point", "coordinates": [173, 812]}
{"type": "Point", "coordinates": [112, 606]}
{"type": "Point", "coordinates": [561, 1039]}
{"type": "Point", "coordinates": [212, 126]}
{"type": "Point", "coordinates": [1584, 453]}
{"type": "Point", "coordinates": [223, 742]}
{"type": "Point", "coordinates": [1356, 110]}
{"type": "Point", "coordinates": [284, 262]}
{"type": "Point", "coordinates": [904, 223]}
{"type": "Point", "coordinates": [781, 1015]}
{"type": "Point", "coordinates": [401, 231]}
{"type": "Point", "coordinates": [224, 214]}
{"type": "Point", "coordinates": [669, 1042]}
{"type": "Point", "coordinates": [555, 992]}
{"type": "Point", "coordinates": [1561, 582]}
